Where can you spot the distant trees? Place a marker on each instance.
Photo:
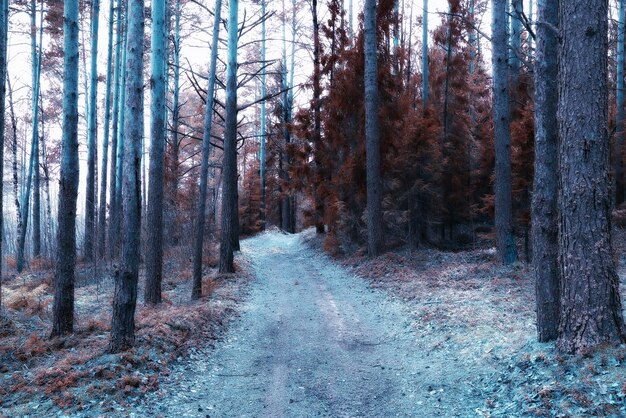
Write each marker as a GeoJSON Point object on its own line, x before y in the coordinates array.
{"type": "Point", "coordinates": [4, 23]}
{"type": "Point", "coordinates": [63, 306]}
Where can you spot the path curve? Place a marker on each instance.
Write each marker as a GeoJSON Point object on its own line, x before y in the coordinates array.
{"type": "Point", "coordinates": [312, 340]}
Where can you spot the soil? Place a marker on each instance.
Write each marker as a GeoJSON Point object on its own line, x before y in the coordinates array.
{"type": "Point", "coordinates": [407, 334]}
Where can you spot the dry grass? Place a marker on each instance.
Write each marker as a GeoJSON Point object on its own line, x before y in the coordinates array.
{"type": "Point", "coordinates": [70, 372]}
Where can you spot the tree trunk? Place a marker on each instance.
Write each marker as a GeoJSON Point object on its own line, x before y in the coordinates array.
{"type": "Point", "coordinates": [229, 164]}
{"type": "Point", "coordinates": [544, 204]}
{"type": "Point", "coordinates": [4, 22]}
{"type": "Point", "coordinates": [505, 240]}
{"type": "Point", "coordinates": [372, 134]}
{"type": "Point", "coordinates": [92, 132]}
{"type": "Point", "coordinates": [619, 119]}
{"type": "Point", "coordinates": [263, 119]}
{"type": "Point", "coordinates": [173, 228]}
{"type": "Point", "coordinates": [63, 307]}
{"type": "Point", "coordinates": [116, 212]}
{"type": "Point", "coordinates": [154, 218]}
{"type": "Point", "coordinates": [125, 297]}
{"type": "Point", "coordinates": [115, 130]}
{"type": "Point", "coordinates": [196, 291]}
{"type": "Point", "coordinates": [317, 115]}
{"type": "Point", "coordinates": [105, 144]}
{"type": "Point", "coordinates": [591, 312]}
{"type": "Point", "coordinates": [425, 57]}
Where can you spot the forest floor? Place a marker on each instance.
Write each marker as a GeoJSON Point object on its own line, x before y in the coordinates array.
{"type": "Point", "coordinates": [407, 334]}
{"type": "Point", "coordinates": [75, 376]}
{"type": "Point", "coordinates": [419, 334]}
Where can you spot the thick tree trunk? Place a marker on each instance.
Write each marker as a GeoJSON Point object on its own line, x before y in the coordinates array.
{"type": "Point", "coordinates": [105, 144]}
{"type": "Point", "coordinates": [229, 164]}
{"type": "Point", "coordinates": [63, 307]}
{"type": "Point", "coordinates": [196, 291]}
{"type": "Point", "coordinates": [125, 297]}
{"type": "Point", "coordinates": [619, 118]}
{"type": "Point", "coordinates": [505, 240]}
{"type": "Point", "coordinates": [544, 204]}
{"type": "Point", "coordinates": [372, 134]}
{"type": "Point", "coordinates": [154, 218]}
{"type": "Point", "coordinates": [591, 311]}
{"type": "Point", "coordinates": [92, 133]}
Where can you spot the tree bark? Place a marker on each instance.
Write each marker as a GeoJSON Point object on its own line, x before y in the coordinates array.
{"type": "Point", "coordinates": [154, 218]}
{"type": "Point", "coordinates": [63, 306]}
{"type": "Point", "coordinates": [4, 22]}
{"type": "Point", "coordinates": [317, 116]}
{"type": "Point", "coordinates": [372, 134]}
{"type": "Point", "coordinates": [545, 189]}
{"type": "Point", "coordinates": [125, 296]}
{"type": "Point", "coordinates": [505, 240]}
{"type": "Point", "coordinates": [105, 142]}
{"type": "Point", "coordinates": [196, 291]}
{"type": "Point", "coordinates": [619, 105]}
{"type": "Point", "coordinates": [229, 164]}
{"type": "Point", "coordinates": [591, 312]}
{"type": "Point", "coordinates": [92, 133]}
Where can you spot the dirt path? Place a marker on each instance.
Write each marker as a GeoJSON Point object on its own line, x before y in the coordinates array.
{"type": "Point", "coordinates": [313, 340]}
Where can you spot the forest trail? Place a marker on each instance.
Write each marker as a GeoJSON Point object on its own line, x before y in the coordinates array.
{"type": "Point", "coordinates": [313, 340]}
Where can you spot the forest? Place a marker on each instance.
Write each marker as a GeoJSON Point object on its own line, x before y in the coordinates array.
{"type": "Point", "coordinates": [312, 208]}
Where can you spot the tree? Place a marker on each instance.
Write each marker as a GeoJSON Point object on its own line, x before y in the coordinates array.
{"type": "Point", "coordinates": [125, 297]}
{"type": "Point", "coordinates": [425, 57]}
{"type": "Point", "coordinates": [154, 218]}
{"type": "Point", "coordinates": [115, 129]}
{"type": "Point", "coordinates": [111, 73]}
{"type": "Point", "coordinates": [505, 240]}
{"type": "Point", "coordinates": [4, 23]}
{"type": "Point", "coordinates": [33, 166]}
{"type": "Point", "coordinates": [196, 291]}
{"type": "Point", "coordinates": [544, 204]}
{"type": "Point", "coordinates": [591, 311]}
{"type": "Point", "coordinates": [63, 305]}
{"type": "Point", "coordinates": [372, 135]}
{"type": "Point", "coordinates": [263, 119]}
{"type": "Point", "coordinates": [92, 133]}
{"type": "Point", "coordinates": [229, 164]}
{"type": "Point", "coordinates": [619, 118]}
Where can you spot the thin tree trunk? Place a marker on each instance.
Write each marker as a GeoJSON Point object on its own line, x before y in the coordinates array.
{"type": "Point", "coordinates": [263, 119]}
{"type": "Point", "coordinates": [105, 143]}
{"type": "Point", "coordinates": [4, 22]}
{"type": "Point", "coordinates": [317, 115]}
{"type": "Point", "coordinates": [505, 240]}
{"type": "Point", "coordinates": [63, 309]}
{"type": "Point", "coordinates": [196, 291]}
{"type": "Point", "coordinates": [92, 132]}
{"type": "Point", "coordinates": [154, 218]}
{"type": "Point", "coordinates": [229, 164]}
{"type": "Point", "coordinates": [125, 296]}
{"type": "Point", "coordinates": [174, 230]}
{"type": "Point", "coordinates": [591, 310]}
{"type": "Point", "coordinates": [116, 216]}
{"type": "Point", "coordinates": [425, 57]}
{"type": "Point", "coordinates": [119, 40]}
{"type": "Point", "coordinates": [544, 204]}
{"type": "Point", "coordinates": [372, 134]}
